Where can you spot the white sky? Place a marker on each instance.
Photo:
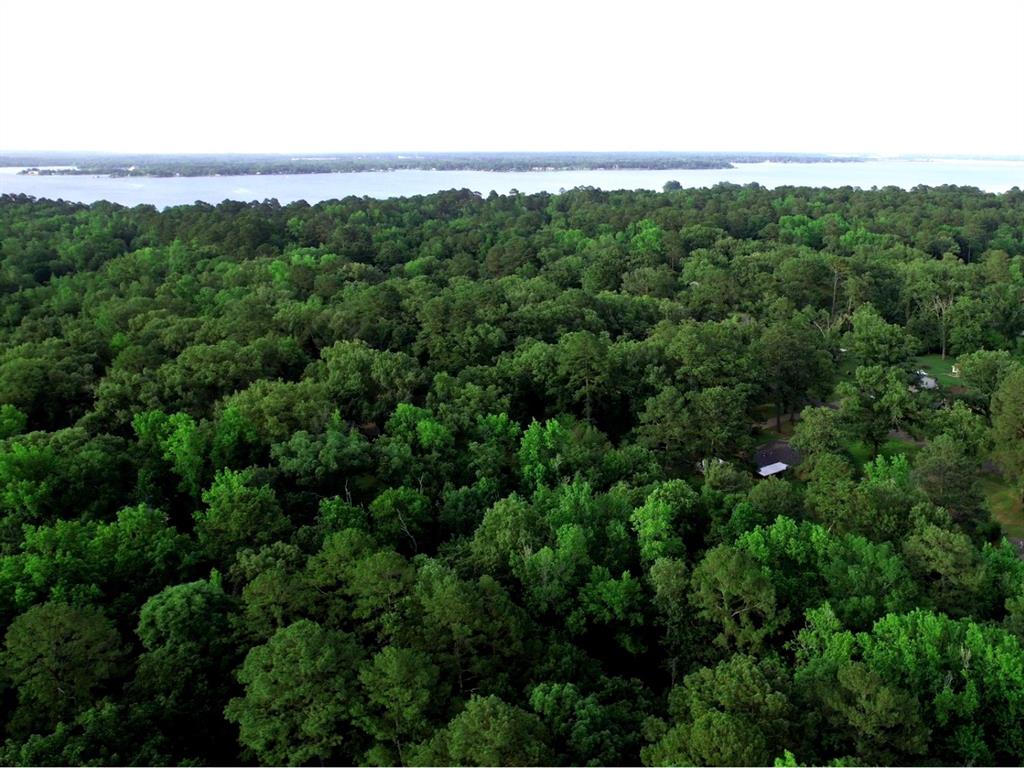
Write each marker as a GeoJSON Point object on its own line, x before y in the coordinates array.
{"type": "Point", "coordinates": [899, 76]}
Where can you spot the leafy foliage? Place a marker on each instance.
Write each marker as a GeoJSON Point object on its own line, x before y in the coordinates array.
{"type": "Point", "coordinates": [466, 480]}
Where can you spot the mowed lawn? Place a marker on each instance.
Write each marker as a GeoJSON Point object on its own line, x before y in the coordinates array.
{"type": "Point", "coordinates": [1004, 505]}
{"type": "Point", "coordinates": [941, 370]}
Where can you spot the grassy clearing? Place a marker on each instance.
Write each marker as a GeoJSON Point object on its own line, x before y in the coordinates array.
{"type": "Point", "coordinates": [941, 370]}
{"type": "Point", "coordinates": [844, 372]}
{"type": "Point", "coordinates": [860, 452]}
{"type": "Point", "coordinates": [765, 419]}
{"type": "Point", "coordinates": [1004, 504]}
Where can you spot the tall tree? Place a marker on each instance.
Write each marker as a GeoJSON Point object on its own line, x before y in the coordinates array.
{"type": "Point", "coordinates": [488, 732]}
{"type": "Point", "coordinates": [59, 658]}
{"type": "Point", "coordinates": [796, 364]}
{"type": "Point", "coordinates": [876, 342]}
{"type": "Point", "coordinates": [299, 692]}
{"type": "Point", "coordinates": [1008, 425]}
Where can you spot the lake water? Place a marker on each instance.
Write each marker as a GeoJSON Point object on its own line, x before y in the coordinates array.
{"type": "Point", "coordinates": [989, 175]}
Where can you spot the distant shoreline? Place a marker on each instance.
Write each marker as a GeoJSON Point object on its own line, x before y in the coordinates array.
{"type": "Point", "coordinates": [990, 176]}
{"type": "Point", "coordinates": [169, 166]}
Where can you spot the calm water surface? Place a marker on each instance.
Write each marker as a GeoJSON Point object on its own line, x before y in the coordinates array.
{"type": "Point", "coordinates": [989, 175]}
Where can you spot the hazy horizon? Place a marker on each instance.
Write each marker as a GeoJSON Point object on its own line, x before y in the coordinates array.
{"type": "Point", "coordinates": [512, 152]}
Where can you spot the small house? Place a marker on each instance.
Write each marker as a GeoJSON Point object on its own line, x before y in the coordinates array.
{"type": "Point", "coordinates": [776, 457]}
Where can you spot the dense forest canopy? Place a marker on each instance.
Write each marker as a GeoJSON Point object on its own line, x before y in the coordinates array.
{"type": "Point", "coordinates": [465, 480]}
{"type": "Point", "coordinates": [224, 165]}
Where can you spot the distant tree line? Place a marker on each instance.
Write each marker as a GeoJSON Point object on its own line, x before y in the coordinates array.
{"type": "Point", "coordinates": [226, 165]}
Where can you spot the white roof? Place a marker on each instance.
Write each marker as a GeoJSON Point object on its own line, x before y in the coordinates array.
{"type": "Point", "coordinates": [772, 469]}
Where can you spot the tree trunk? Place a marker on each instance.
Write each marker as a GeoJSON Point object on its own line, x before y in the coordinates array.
{"type": "Point", "coordinates": [835, 294]}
